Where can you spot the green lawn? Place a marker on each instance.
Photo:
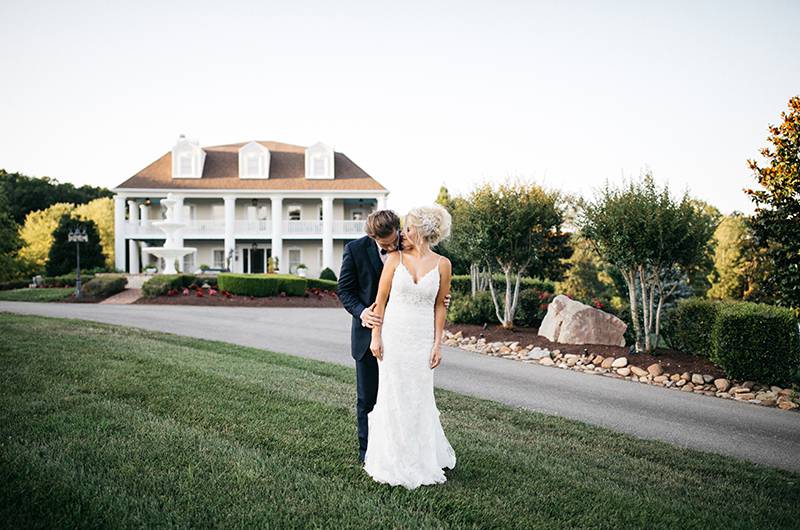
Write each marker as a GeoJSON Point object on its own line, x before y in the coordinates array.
{"type": "Point", "coordinates": [102, 426]}
{"type": "Point", "coordinates": [49, 294]}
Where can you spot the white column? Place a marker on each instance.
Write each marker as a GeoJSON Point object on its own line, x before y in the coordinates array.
{"type": "Point", "coordinates": [327, 232]}
{"type": "Point", "coordinates": [277, 231]}
{"type": "Point", "coordinates": [230, 229]}
{"type": "Point", "coordinates": [144, 214]}
{"type": "Point", "coordinates": [133, 245]}
{"type": "Point", "coordinates": [179, 217]}
{"type": "Point", "coordinates": [381, 202]}
{"type": "Point", "coordinates": [119, 232]}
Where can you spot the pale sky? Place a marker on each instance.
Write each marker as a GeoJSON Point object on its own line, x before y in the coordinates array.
{"type": "Point", "coordinates": [566, 94]}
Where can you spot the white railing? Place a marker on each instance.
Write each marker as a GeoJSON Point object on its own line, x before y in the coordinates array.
{"type": "Point", "coordinates": [142, 228]}
{"type": "Point", "coordinates": [205, 226]}
{"type": "Point", "coordinates": [256, 226]}
{"type": "Point", "coordinates": [349, 227]}
{"type": "Point", "coordinates": [302, 227]}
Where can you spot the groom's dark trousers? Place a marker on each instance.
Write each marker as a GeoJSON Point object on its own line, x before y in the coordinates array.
{"type": "Point", "coordinates": [358, 287]}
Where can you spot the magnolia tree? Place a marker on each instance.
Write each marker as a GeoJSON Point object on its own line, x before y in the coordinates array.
{"type": "Point", "coordinates": [651, 238]}
{"type": "Point", "coordinates": [514, 229]}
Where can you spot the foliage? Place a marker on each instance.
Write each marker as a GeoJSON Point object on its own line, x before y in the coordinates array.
{"type": "Point", "coordinates": [14, 284]}
{"type": "Point", "coordinates": [776, 221]}
{"type": "Point", "coordinates": [37, 232]}
{"type": "Point", "coordinates": [756, 341]}
{"type": "Point", "coordinates": [66, 280]}
{"type": "Point", "coordinates": [687, 326]}
{"type": "Point", "coordinates": [327, 274]}
{"type": "Point", "coordinates": [161, 284]}
{"type": "Point", "coordinates": [54, 294]}
{"type": "Point", "coordinates": [262, 285]}
{"type": "Point", "coordinates": [29, 194]}
{"type": "Point", "coordinates": [449, 248]}
{"type": "Point", "coordinates": [101, 212]}
{"type": "Point", "coordinates": [325, 285]}
{"type": "Point", "coordinates": [514, 228]}
{"type": "Point", "coordinates": [104, 286]}
{"type": "Point", "coordinates": [587, 277]}
{"type": "Point", "coordinates": [461, 283]}
{"type": "Point", "coordinates": [652, 238]}
{"type": "Point", "coordinates": [465, 309]}
{"type": "Point", "coordinates": [62, 256]}
{"type": "Point", "coordinates": [532, 307]}
{"type": "Point", "coordinates": [730, 278]}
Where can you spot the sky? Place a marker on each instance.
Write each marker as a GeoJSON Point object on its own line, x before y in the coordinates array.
{"type": "Point", "coordinates": [564, 94]}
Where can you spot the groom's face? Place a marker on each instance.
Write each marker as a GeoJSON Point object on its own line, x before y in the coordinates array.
{"type": "Point", "coordinates": [388, 243]}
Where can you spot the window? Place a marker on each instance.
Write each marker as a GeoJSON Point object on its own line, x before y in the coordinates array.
{"type": "Point", "coordinates": [185, 167]}
{"type": "Point", "coordinates": [318, 166]}
{"type": "Point", "coordinates": [294, 259]}
{"type": "Point", "coordinates": [188, 212]}
{"type": "Point", "coordinates": [218, 211]}
{"type": "Point", "coordinates": [358, 215]}
{"type": "Point", "coordinates": [253, 165]}
{"type": "Point", "coordinates": [295, 212]}
{"type": "Point", "coordinates": [188, 263]}
{"type": "Point", "coordinates": [263, 213]}
{"type": "Point", "coordinates": [219, 258]}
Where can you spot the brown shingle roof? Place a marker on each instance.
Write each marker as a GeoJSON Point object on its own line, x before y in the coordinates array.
{"type": "Point", "coordinates": [286, 172]}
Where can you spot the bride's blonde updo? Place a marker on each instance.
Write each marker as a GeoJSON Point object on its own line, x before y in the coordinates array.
{"type": "Point", "coordinates": [432, 222]}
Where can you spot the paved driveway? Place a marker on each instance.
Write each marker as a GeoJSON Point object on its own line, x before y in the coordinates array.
{"type": "Point", "coordinates": [763, 435]}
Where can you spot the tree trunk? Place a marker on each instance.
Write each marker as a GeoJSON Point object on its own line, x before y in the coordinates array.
{"type": "Point", "coordinates": [494, 298]}
{"type": "Point", "coordinates": [508, 317]}
{"type": "Point", "coordinates": [630, 280]}
{"type": "Point", "coordinates": [645, 313]}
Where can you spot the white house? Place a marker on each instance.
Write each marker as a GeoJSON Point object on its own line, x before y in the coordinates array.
{"type": "Point", "coordinates": [245, 202]}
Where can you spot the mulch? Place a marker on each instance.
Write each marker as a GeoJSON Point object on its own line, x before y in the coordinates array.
{"type": "Point", "coordinates": [671, 360]}
{"type": "Point", "coordinates": [310, 300]}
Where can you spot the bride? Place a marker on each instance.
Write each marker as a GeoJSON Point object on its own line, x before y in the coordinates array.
{"type": "Point", "coordinates": [407, 445]}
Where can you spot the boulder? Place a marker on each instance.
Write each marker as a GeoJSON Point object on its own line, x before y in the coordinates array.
{"type": "Point", "coordinates": [655, 369]}
{"type": "Point", "coordinates": [722, 384]}
{"type": "Point", "coordinates": [619, 362]}
{"type": "Point", "coordinates": [571, 322]}
{"type": "Point", "coordinates": [638, 372]}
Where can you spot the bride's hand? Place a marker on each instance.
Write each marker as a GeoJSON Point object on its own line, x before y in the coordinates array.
{"type": "Point", "coordinates": [436, 357]}
{"type": "Point", "coordinates": [376, 347]}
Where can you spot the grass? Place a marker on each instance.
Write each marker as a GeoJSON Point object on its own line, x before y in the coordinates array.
{"type": "Point", "coordinates": [106, 426]}
{"type": "Point", "coordinates": [49, 294]}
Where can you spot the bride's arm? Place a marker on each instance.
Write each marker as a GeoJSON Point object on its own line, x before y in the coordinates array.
{"type": "Point", "coordinates": [384, 287]}
{"type": "Point", "coordinates": [440, 311]}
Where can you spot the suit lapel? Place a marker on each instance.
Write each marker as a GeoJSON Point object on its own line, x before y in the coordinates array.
{"type": "Point", "coordinates": [374, 257]}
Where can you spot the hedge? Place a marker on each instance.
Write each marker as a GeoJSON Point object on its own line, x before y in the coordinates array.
{"type": "Point", "coordinates": [756, 341]}
{"type": "Point", "coordinates": [104, 286]}
{"type": "Point", "coordinates": [160, 284]}
{"type": "Point", "coordinates": [462, 283]}
{"type": "Point", "coordinates": [327, 274]}
{"type": "Point", "coordinates": [262, 285]}
{"type": "Point", "coordinates": [467, 310]}
{"type": "Point", "coordinates": [66, 280]}
{"type": "Point", "coordinates": [325, 285]}
{"type": "Point", "coordinates": [14, 284]}
{"type": "Point", "coordinates": [532, 307]}
{"type": "Point", "coordinates": [687, 326]}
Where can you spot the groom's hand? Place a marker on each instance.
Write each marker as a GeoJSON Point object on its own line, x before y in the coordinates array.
{"type": "Point", "coordinates": [447, 301]}
{"type": "Point", "coordinates": [370, 319]}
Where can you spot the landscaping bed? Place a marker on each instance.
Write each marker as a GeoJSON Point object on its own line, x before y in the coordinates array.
{"type": "Point", "coordinates": [313, 299]}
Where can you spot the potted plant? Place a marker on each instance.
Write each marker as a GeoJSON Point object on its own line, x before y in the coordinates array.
{"type": "Point", "coordinates": [301, 270]}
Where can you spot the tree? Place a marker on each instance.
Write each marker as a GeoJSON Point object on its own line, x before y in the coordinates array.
{"type": "Point", "coordinates": [101, 211]}
{"type": "Point", "coordinates": [447, 248]}
{"type": "Point", "coordinates": [62, 255]}
{"type": "Point", "coordinates": [729, 277]}
{"type": "Point", "coordinates": [652, 239]}
{"type": "Point", "coordinates": [28, 194]}
{"type": "Point", "coordinates": [776, 221]}
{"type": "Point", "coordinates": [586, 277]}
{"type": "Point", "coordinates": [37, 232]}
{"type": "Point", "coordinates": [511, 229]}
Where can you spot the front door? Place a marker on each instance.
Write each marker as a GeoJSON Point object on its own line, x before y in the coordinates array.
{"type": "Point", "coordinates": [257, 261]}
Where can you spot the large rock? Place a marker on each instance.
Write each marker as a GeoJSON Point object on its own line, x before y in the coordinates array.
{"type": "Point", "coordinates": [571, 322]}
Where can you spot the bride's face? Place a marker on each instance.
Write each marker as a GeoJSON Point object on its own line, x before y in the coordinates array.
{"type": "Point", "coordinates": [411, 234]}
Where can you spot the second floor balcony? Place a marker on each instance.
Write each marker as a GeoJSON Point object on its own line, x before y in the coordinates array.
{"type": "Point", "coordinates": [261, 228]}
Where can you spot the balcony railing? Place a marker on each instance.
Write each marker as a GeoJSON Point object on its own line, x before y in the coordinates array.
{"type": "Point", "coordinates": [205, 227]}
{"type": "Point", "coordinates": [143, 228]}
{"type": "Point", "coordinates": [261, 227]}
{"type": "Point", "coordinates": [349, 227]}
{"type": "Point", "coordinates": [302, 228]}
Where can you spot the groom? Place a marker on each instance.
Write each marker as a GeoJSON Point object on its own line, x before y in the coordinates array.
{"type": "Point", "coordinates": [362, 264]}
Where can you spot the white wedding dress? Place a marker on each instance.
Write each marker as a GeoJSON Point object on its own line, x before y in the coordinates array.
{"type": "Point", "coordinates": [406, 443]}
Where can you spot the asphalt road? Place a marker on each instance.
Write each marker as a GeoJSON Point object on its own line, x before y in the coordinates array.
{"type": "Point", "coordinates": [762, 435]}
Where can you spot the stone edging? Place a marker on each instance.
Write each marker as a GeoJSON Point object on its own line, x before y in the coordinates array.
{"type": "Point", "coordinates": [746, 391]}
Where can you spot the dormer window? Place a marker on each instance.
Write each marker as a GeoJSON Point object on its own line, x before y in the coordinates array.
{"type": "Point", "coordinates": [254, 161]}
{"type": "Point", "coordinates": [319, 162]}
{"type": "Point", "coordinates": [295, 212]}
{"type": "Point", "coordinates": [187, 159]}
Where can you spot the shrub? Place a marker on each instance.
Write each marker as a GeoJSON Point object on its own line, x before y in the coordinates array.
{"type": "Point", "coordinates": [199, 280]}
{"type": "Point", "coordinates": [14, 284]}
{"type": "Point", "coordinates": [66, 280]}
{"type": "Point", "coordinates": [532, 307]}
{"type": "Point", "coordinates": [160, 284]}
{"type": "Point", "coordinates": [325, 285]}
{"type": "Point", "coordinates": [756, 341]}
{"type": "Point", "coordinates": [262, 285]}
{"type": "Point", "coordinates": [467, 310]}
{"type": "Point", "coordinates": [327, 274]}
{"type": "Point", "coordinates": [461, 283]}
{"type": "Point", "coordinates": [104, 286]}
{"type": "Point", "coordinates": [687, 326]}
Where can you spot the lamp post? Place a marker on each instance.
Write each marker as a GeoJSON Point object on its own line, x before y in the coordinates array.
{"type": "Point", "coordinates": [78, 235]}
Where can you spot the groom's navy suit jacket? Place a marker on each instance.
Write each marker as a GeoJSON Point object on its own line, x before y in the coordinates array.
{"type": "Point", "coordinates": [358, 287]}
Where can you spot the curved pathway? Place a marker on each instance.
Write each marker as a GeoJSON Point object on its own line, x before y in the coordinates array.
{"type": "Point", "coordinates": [763, 435]}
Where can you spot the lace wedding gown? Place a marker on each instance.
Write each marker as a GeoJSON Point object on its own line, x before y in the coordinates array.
{"type": "Point", "coordinates": [407, 445]}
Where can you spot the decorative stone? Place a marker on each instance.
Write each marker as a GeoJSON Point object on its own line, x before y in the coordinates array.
{"type": "Point", "coordinates": [660, 379]}
{"type": "Point", "coordinates": [697, 379]}
{"type": "Point", "coordinates": [620, 362]}
{"type": "Point", "coordinates": [681, 382]}
{"type": "Point", "coordinates": [788, 405]}
{"type": "Point", "coordinates": [707, 378]}
{"type": "Point", "coordinates": [625, 371]}
{"type": "Point", "coordinates": [546, 361]}
{"type": "Point", "coordinates": [607, 362]}
{"type": "Point", "coordinates": [722, 384]}
{"type": "Point", "coordinates": [598, 360]}
{"type": "Point", "coordinates": [537, 353]}
{"type": "Point", "coordinates": [685, 376]}
{"type": "Point", "coordinates": [674, 378]}
{"type": "Point", "coordinates": [638, 372]}
{"type": "Point", "coordinates": [744, 396]}
{"type": "Point", "coordinates": [655, 369]}
{"type": "Point", "coordinates": [571, 322]}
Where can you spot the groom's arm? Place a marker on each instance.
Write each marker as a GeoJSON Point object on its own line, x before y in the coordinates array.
{"type": "Point", "coordinates": [347, 289]}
